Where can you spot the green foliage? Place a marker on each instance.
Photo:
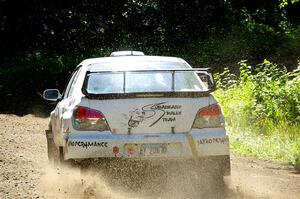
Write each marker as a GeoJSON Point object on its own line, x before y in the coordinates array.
{"type": "Point", "coordinates": [76, 27]}
{"type": "Point", "coordinates": [274, 92]}
{"type": "Point", "coordinates": [279, 147]}
{"type": "Point", "coordinates": [63, 26]}
{"type": "Point", "coordinates": [252, 24]}
{"type": "Point", "coordinates": [284, 3]}
{"type": "Point", "coordinates": [262, 108]}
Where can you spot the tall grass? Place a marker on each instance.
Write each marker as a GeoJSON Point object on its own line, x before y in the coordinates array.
{"type": "Point", "coordinates": [262, 109]}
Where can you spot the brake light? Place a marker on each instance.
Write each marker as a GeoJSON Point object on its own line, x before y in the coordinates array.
{"type": "Point", "coordinates": [209, 117]}
{"type": "Point", "coordinates": [86, 119]}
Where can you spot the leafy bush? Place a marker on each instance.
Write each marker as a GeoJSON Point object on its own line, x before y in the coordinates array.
{"type": "Point", "coordinates": [262, 104]}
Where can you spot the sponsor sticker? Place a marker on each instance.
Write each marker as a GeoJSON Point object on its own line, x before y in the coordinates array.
{"type": "Point", "coordinates": [153, 113]}
{"type": "Point", "coordinates": [213, 140]}
{"type": "Point", "coordinates": [86, 144]}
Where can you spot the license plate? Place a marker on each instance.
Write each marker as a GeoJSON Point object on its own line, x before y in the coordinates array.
{"type": "Point", "coordinates": [153, 149]}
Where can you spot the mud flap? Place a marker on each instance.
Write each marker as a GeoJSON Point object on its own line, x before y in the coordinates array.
{"type": "Point", "coordinates": [192, 146]}
{"type": "Point", "coordinates": [49, 134]}
{"type": "Point", "coordinates": [51, 148]}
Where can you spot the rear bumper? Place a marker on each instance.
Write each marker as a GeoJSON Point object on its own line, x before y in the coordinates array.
{"type": "Point", "coordinates": [195, 144]}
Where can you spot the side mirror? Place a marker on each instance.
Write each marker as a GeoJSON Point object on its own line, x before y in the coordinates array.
{"type": "Point", "coordinates": [52, 95]}
{"type": "Point", "coordinates": [208, 80]}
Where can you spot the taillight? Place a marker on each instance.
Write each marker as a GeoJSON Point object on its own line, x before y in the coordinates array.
{"type": "Point", "coordinates": [209, 117]}
{"type": "Point", "coordinates": [86, 119]}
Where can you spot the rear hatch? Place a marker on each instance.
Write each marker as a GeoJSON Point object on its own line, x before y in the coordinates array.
{"type": "Point", "coordinates": [162, 99]}
{"type": "Point", "coordinates": [149, 115]}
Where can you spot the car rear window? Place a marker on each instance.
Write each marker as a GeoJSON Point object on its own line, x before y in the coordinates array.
{"type": "Point", "coordinates": [148, 81]}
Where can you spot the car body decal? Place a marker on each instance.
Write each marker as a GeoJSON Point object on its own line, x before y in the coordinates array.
{"type": "Point", "coordinates": [157, 111]}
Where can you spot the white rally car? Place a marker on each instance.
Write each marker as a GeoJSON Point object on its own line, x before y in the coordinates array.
{"type": "Point", "coordinates": [133, 106]}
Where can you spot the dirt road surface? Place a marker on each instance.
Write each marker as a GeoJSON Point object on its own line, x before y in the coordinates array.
{"type": "Point", "coordinates": [26, 173]}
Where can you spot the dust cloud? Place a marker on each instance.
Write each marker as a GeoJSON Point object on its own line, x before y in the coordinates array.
{"type": "Point", "coordinates": [128, 179]}
{"type": "Point", "coordinates": [71, 182]}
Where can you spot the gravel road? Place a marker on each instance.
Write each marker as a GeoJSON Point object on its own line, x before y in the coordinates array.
{"type": "Point", "coordinates": [26, 173]}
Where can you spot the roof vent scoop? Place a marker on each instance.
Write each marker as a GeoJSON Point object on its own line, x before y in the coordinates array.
{"type": "Point", "coordinates": [126, 53]}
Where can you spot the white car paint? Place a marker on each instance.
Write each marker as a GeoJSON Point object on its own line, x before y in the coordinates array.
{"type": "Point", "coordinates": [174, 129]}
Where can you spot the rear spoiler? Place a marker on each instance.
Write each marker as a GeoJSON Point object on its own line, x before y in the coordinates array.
{"type": "Point", "coordinates": [205, 72]}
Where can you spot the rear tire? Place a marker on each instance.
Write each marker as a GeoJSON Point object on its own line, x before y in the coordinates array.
{"type": "Point", "coordinates": [213, 169]}
{"type": "Point", "coordinates": [217, 165]}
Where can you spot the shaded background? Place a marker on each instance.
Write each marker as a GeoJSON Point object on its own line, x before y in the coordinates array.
{"type": "Point", "coordinates": [41, 42]}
